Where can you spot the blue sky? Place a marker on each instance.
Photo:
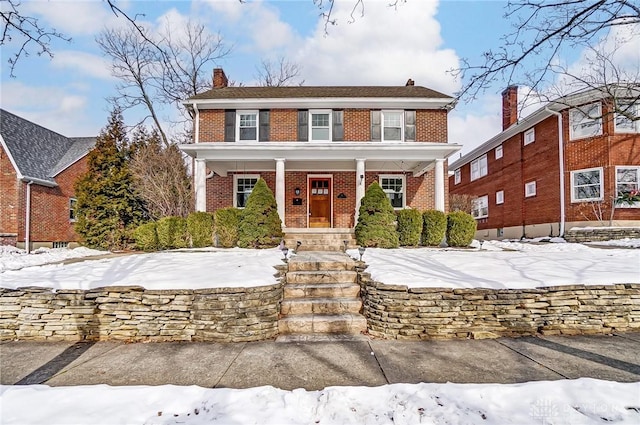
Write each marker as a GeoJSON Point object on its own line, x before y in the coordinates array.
{"type": "Point", "coordinates": [420, 39]}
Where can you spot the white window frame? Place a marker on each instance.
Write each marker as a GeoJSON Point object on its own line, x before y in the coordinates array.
{"type": "Point", "coordinates": [235, 186]}
{"type": "Point", "coordinates": [480, 170]}
{"type": "Point", "coordinates": [500, 197]}
{"type": "Point", "coordinates": [247, 112]}
{"type": "Point", "coordinates": [457, 176]}
{"type": "Point", "coordinates": [480, 208]}
{"type": "Point", "coordinates": [637, 184]}
{"type": "Point", "coordinates": [579, 119]}
{"type": "Point", "coordinates": [73, 214]}
{"type": "Point", "coordinates": [573, 173]}
{"type": "Point", "coordinates": [632, 126]}
{"type": "Point", "coordinates": [404, 188]}
{"type": "Point", "coordinates": [499, 152]}
{"type": "Point", "coordinates": [382, 126]}
{"type": "Point", "coordinates": [529, 136]}
{"type": "Point", "coordinates": [530, 189]}
{"type": "Point", "coordinates": [311, 127]}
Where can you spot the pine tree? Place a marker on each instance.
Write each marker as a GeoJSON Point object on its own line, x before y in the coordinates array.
{"type": "Point", "coordinates": [107, 209]}
{"type": "Point", "coordinates": [376, 220]}
{"type": "Point", "coordinates": [260, 225]}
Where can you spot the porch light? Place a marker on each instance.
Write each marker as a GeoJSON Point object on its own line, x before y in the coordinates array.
{"type": "Point", "coordinates": [361, 250]}
{"type": "Point", "coordinates": [298, 243]}
{"type": "Point", "coordinates": [285, 252]}
{"type": "Point", "coordinates": [361, 178]}
{"type": "Point", "coordinates": [297, 191]}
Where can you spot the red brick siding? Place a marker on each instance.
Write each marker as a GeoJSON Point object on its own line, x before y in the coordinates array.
{"type": "Point", "coordinates": [431, 125]}
{"type": "Point", "coordinates": [211, 125]}
{"type": "Point", "coordinates": [283, 125]}
{"type": "Point", "coordinates": [357, 125]}
{"type": "Point", "coordinates": [9, 200]}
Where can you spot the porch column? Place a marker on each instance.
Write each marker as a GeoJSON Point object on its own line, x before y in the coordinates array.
{"type": "Point", "coordinates": [280, 188]}
{"type": "Point", "coordinates": [439, 185]}
{"type": "Point", "coordinates": [201, 184]}
{"type": "Point", "coordinates": [360, 189]}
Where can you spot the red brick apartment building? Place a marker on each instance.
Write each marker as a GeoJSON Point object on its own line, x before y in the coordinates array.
{"type": "Point", "coordinates": [318, 148]}
{"type": "Point", "coordinates": [560, 167]}
{"type": "Point", "coordinates": [38, 169]}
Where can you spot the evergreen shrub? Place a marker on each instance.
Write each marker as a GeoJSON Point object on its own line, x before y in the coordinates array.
{"type": "Point", "coordinates": [200, 228]}
{"type": "Point", "coordinates": [260, 224]}
{"type": "Point", "coordinates": [376, 220]}
{"type": "Point", "coordinates": [172, 233]}
{"type": "Point", "coordinates": [409, 227]}
{"type": "Point", "coordinates": [146, 237]}
{"type": "Point", "coordinates": [461, 229]}
{"type": "Point", "coordinates": [226, 224]}
{"type": "Point", "coordinates": [434, 227]}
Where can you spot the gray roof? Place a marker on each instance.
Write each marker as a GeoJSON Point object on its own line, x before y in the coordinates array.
{"type": "Point", "coordinates": [39, 152]}
{"type": "Point", "coordinates": [319, 92]}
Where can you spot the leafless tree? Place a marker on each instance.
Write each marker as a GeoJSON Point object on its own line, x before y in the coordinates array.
{"type": "Point", "coordinates": [27, 31]}
{"type": "Point", "coordinates": [357, 11]}
{"type": "Point", "coordinates": [157, 70]}
{"type": "Point", "coordinates": [461, 202]}
{"type": "Point", "coordinates": [542, 30]}
{"type": "Point", "coordinates": [160, 176]}
{"type": "Point", "coordinates": [278, 73]}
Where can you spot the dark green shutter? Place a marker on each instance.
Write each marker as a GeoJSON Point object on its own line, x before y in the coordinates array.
{"type": "Point", "coordinates": [230, 125]}
{"type": "Point", "coordinates": [338, 126]}
{"type": "Point", "coordinates": [303, 125]}
{"type": "Point", "coordinates": [409, 126]}
{"type": "Point", "coordinates": [376, 126]}
{"type": "Point", "coordinates": [264, 125]}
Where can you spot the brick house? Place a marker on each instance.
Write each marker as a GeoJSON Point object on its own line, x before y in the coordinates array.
{"type": "Point", "coordinates": [561, 166]}
{"type": "Point", "coordinates": [38, 169]}
{"type": "Point", "coordinates": [318, 148]}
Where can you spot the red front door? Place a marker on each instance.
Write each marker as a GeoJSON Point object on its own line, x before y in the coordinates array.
{"type": "Point", "coordinates": [320, 202]}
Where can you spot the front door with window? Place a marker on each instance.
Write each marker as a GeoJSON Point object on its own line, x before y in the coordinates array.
{"type": "Point", "coordinates": [319, 202]}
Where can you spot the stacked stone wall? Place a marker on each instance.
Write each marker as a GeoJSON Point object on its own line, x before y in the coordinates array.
{"type": "Point", "coordinates": [594, 234]}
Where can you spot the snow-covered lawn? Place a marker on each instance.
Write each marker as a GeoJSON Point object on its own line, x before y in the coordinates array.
{"type": "Point", "coordinates": [494, 264]}
{"type": "Point", "coordinates": [12, 258]}
{"type": "Point", "coordinates": [581, 401]}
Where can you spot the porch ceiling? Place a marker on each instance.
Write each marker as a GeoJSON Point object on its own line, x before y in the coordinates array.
{"type": "Point", "coordinates": [304, 156]}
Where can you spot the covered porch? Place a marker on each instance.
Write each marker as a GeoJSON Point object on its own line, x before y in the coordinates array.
{"type": "Point", "coordinates": [320, 176]}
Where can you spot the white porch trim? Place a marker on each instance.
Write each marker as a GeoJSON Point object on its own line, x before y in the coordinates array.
{"type": "Point", "coordinates": [280, 199]}
{"type": "Point", "coordinates": [439, 185]}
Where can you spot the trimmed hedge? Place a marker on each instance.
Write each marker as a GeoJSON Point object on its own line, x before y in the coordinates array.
{"type": "Point", "coordinates": [227, 222]}
{"type": "Point", "coordinates": [409, 227]}
{"type": "Point", "coordinates": [434, 227]}
{"type": "Point", "coordinates": [172, 233]}
{"type": "Point", "coordinates": [200, 228]}
{"type": "Point", "coordinates": [461, 229]}
{"type": "Point", "coordinates": [376, 220]}
{"type": "Point", "coordinates": [260, 225]}
{"type": "Point", "coordinates": [146, 237]}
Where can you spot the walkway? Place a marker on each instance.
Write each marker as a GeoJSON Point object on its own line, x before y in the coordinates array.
{"type": "Point", "coordinates": [316, 365]}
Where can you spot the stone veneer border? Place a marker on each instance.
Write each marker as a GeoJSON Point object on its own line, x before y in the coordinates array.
{"type": "Point", "coordinates": [595, 234]}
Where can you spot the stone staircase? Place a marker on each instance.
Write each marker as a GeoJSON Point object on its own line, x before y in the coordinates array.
{"type": "Point", "coordinates": [321, 239]}
{"type": "Point", "coordinates": [321, 298]}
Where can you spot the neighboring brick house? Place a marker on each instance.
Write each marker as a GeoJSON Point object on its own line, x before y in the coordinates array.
{"type": "Point", "coordinates": [560, 167]}
{"type": "Point", "coordinates": [318, 148]}
{"type": "Point", "coordinates": [38, 169]}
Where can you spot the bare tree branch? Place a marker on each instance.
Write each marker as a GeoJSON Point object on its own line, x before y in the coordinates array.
{"type": "Point", "coordinates": [278, 73]}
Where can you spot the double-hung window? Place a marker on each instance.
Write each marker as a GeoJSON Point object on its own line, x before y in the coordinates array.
{"type": "Point", "coordinates": [247, 122]}
{"type": "Point", "coordinates": [320, 128]}
{"type": "Point", "coordinates": [585, 121]}
{"type": "Point", "coordinates": [498, 152]}
{"type": "Point", "coordinates": [480, 207]}
{"type": "Point", "coordinates": [242, 187]}
{"type": "Point", "coordinates": [394, 187]}
{"type": "Point", "coordinates": [627, 116]}
{"type": "Point", "coordinates": [457, 177]}
{"type": "Point", "coordinates": [529, 136]}
{"type": "Point", "coordinates": [72, 209]}
{"type": "Point", "coordinates": [627, 183]}
{"type": "Point", "coordinates": [392, 124]}
{"type": "Point", "coordinates": [587, 185]}
{"type": "Point", "coordinates": [479, 167]}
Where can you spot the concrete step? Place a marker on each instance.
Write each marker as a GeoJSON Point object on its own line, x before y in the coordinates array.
{"type": "Point", "coordinates": [322, 276]}
{"type": "Point", "coordinates": [322, 247]}
{"type": "Point", "coordinates": [309, 261]}
{"type": "Point", "coordinates": [320, 306]}
{"type": "Point", "coordinates": [321, 290]}
{"type": "Point", "coordinates": [315, 337]}
{"type": "Point", "coordinates": [353, 324]}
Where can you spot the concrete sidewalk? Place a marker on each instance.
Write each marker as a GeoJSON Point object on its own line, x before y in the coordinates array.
{"type": "Point", "coordinates": [316, 365]}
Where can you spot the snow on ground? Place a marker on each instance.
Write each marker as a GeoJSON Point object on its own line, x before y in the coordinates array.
{"type": "Point", "coordinates": [12, 258]}
{"type": "Point", "coordinates": [181, 269]}
{"type": "Point", "coordinates": [626, 242]}
{"type": "Point", "coordinates": [581, 401]}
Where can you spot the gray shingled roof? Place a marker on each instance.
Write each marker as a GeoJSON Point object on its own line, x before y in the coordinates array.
{"type": "Point", "coordinates": [319, 92]}
{"type": "Point", "coordinates": [39, 152]}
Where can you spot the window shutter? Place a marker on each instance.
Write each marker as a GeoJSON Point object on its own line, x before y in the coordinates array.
{"type": "Point", "coordinates": [263, 120]}
{"type": "Point", "coordinates": [303, 125]}
{"type": "Point", "coordinates": [409, 126]}
{"type": "Point", "coordinates": [376, 127]}
{"type": "Point", "coordinates": [230, 125]}
{"type": "Point", "coordinates": [338, 126]}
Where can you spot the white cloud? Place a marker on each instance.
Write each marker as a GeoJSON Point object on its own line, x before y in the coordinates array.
{"type": "Point", "coordinates": [471, 127]}
{"type": "Point", "coordinates": [231, 9]}
{"type": "Point", "coordinates": [84, 63]}
{"type": "Point", "coordinates": [75, 17]}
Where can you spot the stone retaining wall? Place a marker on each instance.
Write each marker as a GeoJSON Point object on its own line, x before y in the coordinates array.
{"type": "Point", "coordinates": [594, 234]}
{"type": "Point", "coordinates": [396, 312]}
{"type": "Point", "coordinates": [133, 313]}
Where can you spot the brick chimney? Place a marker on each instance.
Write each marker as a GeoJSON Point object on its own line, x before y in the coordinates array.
{"type": "Point", "coordinates": [410, 82]}
{"type": "Point", "coordinates": [219, 78]}
{"type": "Point", "coordinates": [509, 106]}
